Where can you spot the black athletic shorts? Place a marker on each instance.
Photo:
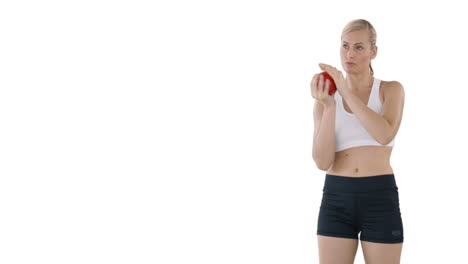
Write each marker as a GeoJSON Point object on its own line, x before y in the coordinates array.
{"type": "Point", "coordinates": [366, 205]}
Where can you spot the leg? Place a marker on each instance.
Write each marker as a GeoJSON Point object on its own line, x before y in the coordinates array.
{"type": "Point", "coordinates": [380, 253]}
{"type": "Point", "coordinates": [335, 250]}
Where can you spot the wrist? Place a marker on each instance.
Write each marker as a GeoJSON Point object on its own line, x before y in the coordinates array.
{"type": "Point", "coordinates": [329, 104]}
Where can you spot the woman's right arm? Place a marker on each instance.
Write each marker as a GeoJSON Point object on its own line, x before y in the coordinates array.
{"type": "Point", "coordinates": [323, 149]}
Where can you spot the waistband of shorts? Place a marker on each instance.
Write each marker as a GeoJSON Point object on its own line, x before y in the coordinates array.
{"type": "Point", "coordinates": [359, 184]}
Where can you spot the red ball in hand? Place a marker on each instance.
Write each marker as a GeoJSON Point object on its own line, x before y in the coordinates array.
{"type": "Point", "coordinates": [327, 76]}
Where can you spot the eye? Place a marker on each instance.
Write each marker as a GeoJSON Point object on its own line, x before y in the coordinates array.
{"type": "Point", "coordinates": [360, 47]}
{"type": "Point", "coordinates": [344, 45]}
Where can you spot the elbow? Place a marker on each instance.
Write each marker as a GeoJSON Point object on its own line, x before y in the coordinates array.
{"type": "Point", "coordinates": [323, 158]}
{"type": "Point", "coordinates": [324, 167]}
{"type": "Point", "coordinates": [323, 164]}
{"type": "Point", "coordinates": [383, 142]}
{"type": "Point", "coordinates": [386, 140]}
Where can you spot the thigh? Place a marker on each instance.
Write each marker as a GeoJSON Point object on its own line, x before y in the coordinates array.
{"type": "Point", "coordinates": [335, 250]}
{"type": "Point", "coordinates": [380, 217]}
{"type": "Point", "coordinates": [379, 253]}
{"type": "Point", "coordinates": [337, 216]}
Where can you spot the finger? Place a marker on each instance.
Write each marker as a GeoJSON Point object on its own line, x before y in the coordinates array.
{"type": "Point", "coordinates": [314, 85]}
{"type": "Point", "coordinates": [315, 81]}
{"type": "Point", "coordinates": [323, 66]}
{"type": "Point", "coordinates": [324, 89]}
{"type": "Point", "coordinates": [320, 83]}
{"type": "Point", "coordinates": [327, 86]}
{"type": "Point", "coordinates": [332, 73]}
{"type": "Point", "coordinates": [332, 69]}
{"type": "Point", "coordinates": [314, 78]}
{"type": "Point", "coordinates": [318, 90]}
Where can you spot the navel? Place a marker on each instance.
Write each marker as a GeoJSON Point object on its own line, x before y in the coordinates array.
{"type": "Point", "coordinates": [356, 170]}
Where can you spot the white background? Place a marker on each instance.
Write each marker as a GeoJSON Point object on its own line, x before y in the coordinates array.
{"type": "Point", "coordinates": [181, 131]}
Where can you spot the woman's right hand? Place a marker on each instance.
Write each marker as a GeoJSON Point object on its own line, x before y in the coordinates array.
{"type": "Point", "coordinates": [319, 88]}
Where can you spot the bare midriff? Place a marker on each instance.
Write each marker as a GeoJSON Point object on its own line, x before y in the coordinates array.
{"type": "Point", "coordinates": [362, 161]}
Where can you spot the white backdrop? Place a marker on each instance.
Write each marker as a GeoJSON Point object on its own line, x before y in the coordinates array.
{"type": "Point", "coordinates": [181, 131]}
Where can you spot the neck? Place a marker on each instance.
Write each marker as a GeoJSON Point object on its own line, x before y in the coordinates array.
{"type": "Point", "coordinates": [360, 82]}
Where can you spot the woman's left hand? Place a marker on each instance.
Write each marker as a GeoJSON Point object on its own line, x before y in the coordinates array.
{"type": "Point", "coordinates": [337, 76]}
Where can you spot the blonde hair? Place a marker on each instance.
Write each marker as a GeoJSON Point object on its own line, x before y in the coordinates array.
{"type": "Point", "coordinates": [362, 24]}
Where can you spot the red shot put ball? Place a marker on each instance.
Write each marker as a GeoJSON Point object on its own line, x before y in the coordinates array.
{"type": "Point", "coordinates": [327, 76]}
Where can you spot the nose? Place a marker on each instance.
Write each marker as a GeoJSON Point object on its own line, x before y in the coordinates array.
{"type": "Point", "coordinates": [350, 54]}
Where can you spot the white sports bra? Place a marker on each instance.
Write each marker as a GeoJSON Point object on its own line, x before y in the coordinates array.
{"type": "Point", "coordinates": [349, 131]}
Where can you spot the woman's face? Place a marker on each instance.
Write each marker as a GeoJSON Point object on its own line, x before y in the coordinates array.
{"type": "Point", "coordinates": [356, 48]}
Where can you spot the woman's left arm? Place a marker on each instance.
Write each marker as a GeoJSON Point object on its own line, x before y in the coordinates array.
{"type": "Point", "coordinates": [384, 126]}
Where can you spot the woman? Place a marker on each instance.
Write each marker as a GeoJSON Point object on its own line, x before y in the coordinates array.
{"type": "Point", "coordinates": [354, 131]}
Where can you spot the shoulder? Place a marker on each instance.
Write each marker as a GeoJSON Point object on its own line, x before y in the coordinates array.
{"type": "Point", "coordinates": [392, 88]}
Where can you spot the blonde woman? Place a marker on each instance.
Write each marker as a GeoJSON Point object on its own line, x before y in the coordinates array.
{"type": "Point", "coordinates": [354, 132]}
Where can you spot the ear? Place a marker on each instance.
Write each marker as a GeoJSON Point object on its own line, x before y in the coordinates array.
{"type": "Point", "coordinates": [374, 52]}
